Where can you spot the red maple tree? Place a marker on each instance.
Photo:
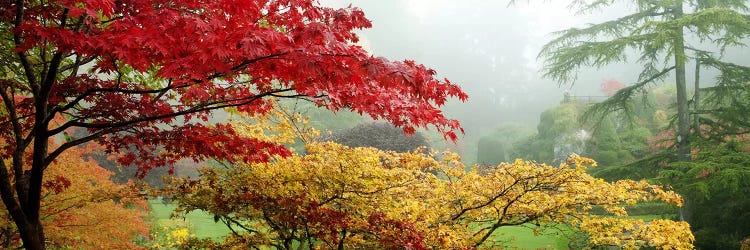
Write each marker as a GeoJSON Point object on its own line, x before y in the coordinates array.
{"type": "Point", "coordinates": [611, 86]}
{"type": "Point", "coordinates": [142, 75]}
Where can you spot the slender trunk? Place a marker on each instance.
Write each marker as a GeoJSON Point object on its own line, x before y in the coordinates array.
{"type": "Point", "coordinates": [34, 238]}
{"type": "Point", "coordinates": [696, 99]}
{"type": "Point", "coordinates": [342, 239]}
{"type": "Point", "coordinates": [686, 209]}
{"type": "Point", "coordinates": [683, 113]}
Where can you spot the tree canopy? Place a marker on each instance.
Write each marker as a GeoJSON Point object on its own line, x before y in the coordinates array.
{"type": "Point", "coordinates": [145, 75]}
{"type": "Point", "coordinates": [657, 32]}
{"type": "Point", "coordinates": [83, 208]}
{"type": "Point", "coordinates": [664, 37]}
{"type": "Point", "coordinates": [337, 197]}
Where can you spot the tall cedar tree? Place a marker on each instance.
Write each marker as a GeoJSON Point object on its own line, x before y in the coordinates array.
{"type": "Point", "coordinates": [657, 31]}
{"type": "Point", "coordinates": [142, 75]}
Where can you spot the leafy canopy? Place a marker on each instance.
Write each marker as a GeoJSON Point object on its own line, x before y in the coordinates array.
{"type": "Point", "coordinates": [143, 77]}
{"type": "Point", "coordinates": [340, 197]}
{"type": "Point", "coordinates": [659, 35]}
{"type": "Point", "coordinates": [83, 208]}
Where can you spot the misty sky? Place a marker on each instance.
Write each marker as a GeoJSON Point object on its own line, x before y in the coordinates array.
{"type": "Point", "coordinates": [487, 47]}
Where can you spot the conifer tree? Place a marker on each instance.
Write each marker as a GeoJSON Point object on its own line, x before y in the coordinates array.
{"type": "Point", "coordinates": [657, 31]}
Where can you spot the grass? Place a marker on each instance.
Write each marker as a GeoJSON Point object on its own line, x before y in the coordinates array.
{"type": "Point", "coordinates": [650, 217]}
{"type": "Point", "coordinates": [519, 237]}
{"type": "Point", "coordinates": [202, 223]}
{"type": "Point", "coordinates": [204, 226]}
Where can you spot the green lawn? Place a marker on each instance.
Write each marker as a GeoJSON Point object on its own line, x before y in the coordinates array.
{"type": "Point", "coordinates": [202, 223]}
{"type": "Point", "coordinates": [519, 237]}
{"type": "Point", "coordinates": [204, 226]}
{"type": "Point", "coordinates": [524, 238]}
{"type": "Point", "coordinates": [651, 217]}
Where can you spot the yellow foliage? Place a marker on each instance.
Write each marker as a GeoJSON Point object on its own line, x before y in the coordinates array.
{"type": "Point", "coordinates": [278, 125]}
{"type": "Point", "coordinates": [366, 198]}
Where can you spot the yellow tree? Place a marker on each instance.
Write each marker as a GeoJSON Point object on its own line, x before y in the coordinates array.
{"type": "Point", "coordinates": [83, 209]}
{"type": "Point", "coordinates": [338, 197]}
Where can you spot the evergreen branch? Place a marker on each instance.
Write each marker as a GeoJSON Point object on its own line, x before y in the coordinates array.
{"type": "Point", "coordinates": [620, 100]}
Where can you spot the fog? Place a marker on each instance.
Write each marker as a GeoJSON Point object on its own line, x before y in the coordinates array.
{"type": "Point", "coordinates": [489, 48]}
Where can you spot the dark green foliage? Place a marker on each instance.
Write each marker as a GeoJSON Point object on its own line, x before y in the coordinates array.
{"type": "Point", "coordinates": [605, 143]}
{"type": "Point", "coordinates": [491, 151]}
{"type": "Point", "coordinates": [725, 107]}
{"type": "Point", "coordinates": [558, 120]}
{"type": "Point", "coordinates": [534, 148]}
{"type": "Point", "coordinates": [635, 141]}
{"type": "Point", "coordinates": [612, 146]}
{"type": "Point", "coordinates": [653, 208]}
{"type": "Point", "coordinates": [554, 124]}
{"type": "Point", "coordinates": [606, 157]}
{"type": "Point", "coordinates": [716, 186]}
{"type": "Point", "coordinates": [657, 32]}
{"type": "Point", "coordinates": [499, 146]}
{"type": "Point", "coordinates": [614, 141]}
{"type": "Point", "coordinates": [382, 136]}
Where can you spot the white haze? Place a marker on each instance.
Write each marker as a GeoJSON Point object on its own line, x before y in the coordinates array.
{"type": "Point", "coordinates": [489, 48]}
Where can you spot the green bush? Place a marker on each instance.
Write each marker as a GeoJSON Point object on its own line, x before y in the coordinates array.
{"type": "Point", "coordinates": [383, 136]}
{"type": "Point", "coordinates": [606, 158]}
{"type": "Point", "coordinates": [490, 151]}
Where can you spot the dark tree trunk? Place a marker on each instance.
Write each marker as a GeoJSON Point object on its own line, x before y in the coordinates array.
{"type": "Point", "coordinates": [683, 113]}
{"type": "Point", "coordinates": [32, 236]}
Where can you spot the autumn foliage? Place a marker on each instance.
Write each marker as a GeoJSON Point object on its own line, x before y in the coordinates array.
{"type": "Point", "coordinates": [611, 86]}
{"type": "Point", "coordinates": [143, 77]}
{"type": "Point", "coordinates": [363, 198]}
{"type": "Point", "coordinates": [83, 209]}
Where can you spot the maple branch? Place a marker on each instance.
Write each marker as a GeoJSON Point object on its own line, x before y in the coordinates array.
{"type": "Point", "coordinates": [489, 202]}
{"type": "Point", "coordinates": [28, 70]}
{"type": "Point", "coordinates": [300, 96]}
{"type": "Point", "coordinates": [60, 211]}
{"type": "Point", "coordinates": [272, 224]}
{"type": "Point", "coordinates": [69, 144]}
{"type": "Point", "coordinates": [115, 18]}
{"type": "Point", "coordinates": [6, 193]}
{"type": "Point", "coordinates": [21, 144]}
{"type": "Point", "coordinates": [228, 221]}
{"type": "Point", "coordinates": [75, 65]}
{"type": "Point", "coordinates": [14, 119]}
{"type": "Point", "coordinates": [499, 222]}
{"type": "Point", "coordinates": [243, 64]}
{"type": "Point", "coordinates": [116, 127]}
{"type": "Point", "coordinates": [198, 108]}
{"type": "Point", "coordinates": [330, 199]}
{"type": "Point", "coordinates": [92, 91]}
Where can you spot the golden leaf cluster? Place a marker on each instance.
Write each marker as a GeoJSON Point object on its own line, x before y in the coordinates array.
{"type": "Point", "coordinates": [363, 198]}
